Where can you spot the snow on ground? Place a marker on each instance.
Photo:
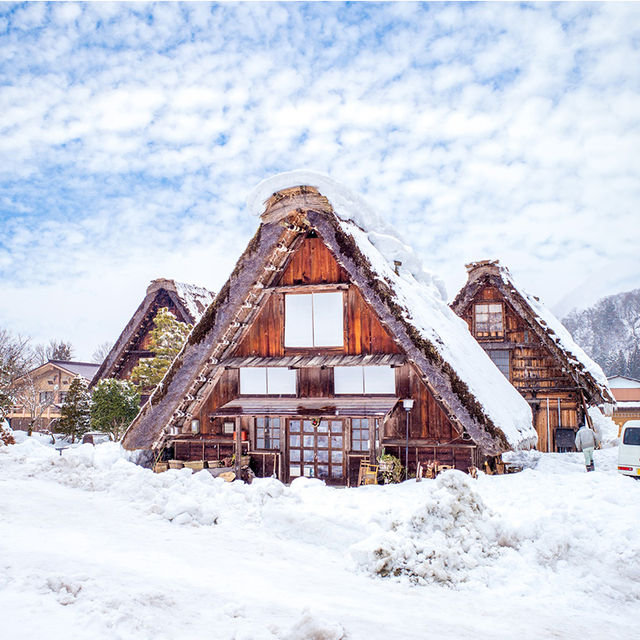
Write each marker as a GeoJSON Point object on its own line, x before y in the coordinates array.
{"type": "Point", "coordinates": [92, 546]}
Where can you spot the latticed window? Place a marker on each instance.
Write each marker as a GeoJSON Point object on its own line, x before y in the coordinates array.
{"type": "Point", "coordinates": [360, 434]}
{"type": "Point", "coordinates": [267, 433]}
{"type": "Point", "coordinates": [500, 358]}
{"type": "Point", "coordinates": [489, 320]}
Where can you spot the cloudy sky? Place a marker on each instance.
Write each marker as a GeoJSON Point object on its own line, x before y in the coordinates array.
{"type": "Point", "coordinates": [132, 134]}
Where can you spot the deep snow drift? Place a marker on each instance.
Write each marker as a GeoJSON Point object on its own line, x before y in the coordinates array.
{"type": "Point", "coordinates": [92, 546]}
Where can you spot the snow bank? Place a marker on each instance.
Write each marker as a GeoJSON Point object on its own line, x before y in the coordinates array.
{"type": "Point", "coordinates": [551, 529]}
{"type": "Point", "coordinates": [312, 627]}
{"type": "Point", "coordinates": [605, 428]}
{"type": "Point", "coordinates": [448, 536]}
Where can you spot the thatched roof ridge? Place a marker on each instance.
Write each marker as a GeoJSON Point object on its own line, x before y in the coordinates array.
{"type": "Point", "coordinates": [586, 374]}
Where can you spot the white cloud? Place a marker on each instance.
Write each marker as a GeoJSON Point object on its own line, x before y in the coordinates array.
{"type": "Point", "coordinates": [477, 130]}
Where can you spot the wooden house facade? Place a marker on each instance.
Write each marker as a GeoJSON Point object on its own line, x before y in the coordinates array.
{"type": "Point", "coordinates": [534, 351]}
{"type": "Point", "coordinates": [41, 393]}
{"type": "Point", "coordinates": [185, 301]}
{"type": "Point", "coordinates": [306, 359]}
{"type": "Point", "coordinates": [626, 391]}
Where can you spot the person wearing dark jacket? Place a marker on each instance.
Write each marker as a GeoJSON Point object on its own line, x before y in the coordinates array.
{"type": "Point", "coordinates": [586, 442]}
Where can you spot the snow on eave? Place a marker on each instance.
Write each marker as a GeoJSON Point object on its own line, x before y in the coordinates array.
{"type": "Point", "coordinates": [195, 299]}
{"type": "Point", "coordinates": [557, 332]}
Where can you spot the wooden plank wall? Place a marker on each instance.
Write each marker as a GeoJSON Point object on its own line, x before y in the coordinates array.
{"type": "Point", "coordinates": [427, 421]}
{"type": "Point", "coordinates": [314, 264]}
{"type": "Point", "coordinates": [534, 371]}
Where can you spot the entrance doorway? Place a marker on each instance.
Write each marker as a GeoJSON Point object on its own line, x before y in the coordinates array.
{"type": "Point", "coordinates": [316, 449]}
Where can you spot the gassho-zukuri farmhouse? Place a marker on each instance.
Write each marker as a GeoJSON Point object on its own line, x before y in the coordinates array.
{"type": "Point", "coordinates": [318, 353]}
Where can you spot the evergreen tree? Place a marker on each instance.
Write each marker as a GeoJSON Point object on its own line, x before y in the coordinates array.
{"type": "Point", "coordinates": [633, 365]}
{"type": "Point", "coordinates": [167, 338]}
{"type": "Point", "coordinates": [75, 414]}
{"type": "Point", "coordinates": [115, 405]}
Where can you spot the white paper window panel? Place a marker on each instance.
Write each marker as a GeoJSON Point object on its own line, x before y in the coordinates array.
{"type": "Point", "coordinates": [328, 316]}
{"type": "Point", "coordinates": [253, 381]}
{"type": "Point", "coordinates": [267, 380]}
{"type": "Point", "coordinates": [367, 380]}
{"type": "Point", "coordinates": [314, 320]}
{"type": "Point", "coordinates": [380, 380]}
{"type": "Point", "coordinates": [298, 325]}
{"type": "Point", "coordinates": [348, 380]}
{"type": "Point", "coordinates": [281, 380]}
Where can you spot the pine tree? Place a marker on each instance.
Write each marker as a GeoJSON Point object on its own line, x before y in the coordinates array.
{"type": "Point", "coordinates": [115, 405]}
{"type": "Point", "coordinates": [75, 414]}
{"type": "Point", "coordinates": [167, 338]}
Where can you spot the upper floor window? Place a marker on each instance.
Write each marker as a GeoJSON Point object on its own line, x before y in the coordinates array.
{"type": "Point", "coordinates": [314, 319]}
{"type": "Point", "coordinates": [364, 380]}
{"type": "Point", "coordinates": [267, 381]}
{"type": "Point", "coordinates": [489, 319]}
{"type": "Point", "coordinates": [46, 397]}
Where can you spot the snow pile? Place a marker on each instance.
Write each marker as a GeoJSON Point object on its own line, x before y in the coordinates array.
{"type": "Point", "coordinates": [606, 429]}
{"type": "Point", "coordinates": [444, 540]}
{"type": "Point", "coordinates": [6, 434]}
{"type": "Point", "coordinates": [177, 495]}
{"type": "Point", "coordinates": [311, 627]}
{"type": "Point", "coordinates": [93, 546]}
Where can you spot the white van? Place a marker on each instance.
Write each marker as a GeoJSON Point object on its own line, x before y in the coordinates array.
{"type": "Point", "coordinates": [629, 449]}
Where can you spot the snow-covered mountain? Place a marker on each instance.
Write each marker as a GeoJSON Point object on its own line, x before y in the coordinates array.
{"type": "Point", "coordinates": [609, 332]}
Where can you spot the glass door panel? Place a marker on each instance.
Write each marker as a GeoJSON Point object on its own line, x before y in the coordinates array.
{"type": "Point", "coordinates": [316, 449]}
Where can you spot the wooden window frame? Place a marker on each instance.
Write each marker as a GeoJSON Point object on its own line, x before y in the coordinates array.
{"type": "Point", "coordinates": [489, 334]}
{"type": "Point", "coordinates": [490, 353]}
{"type": "Point", "coordinates": [311, 290]}
{"type": "Point", "coordinates": [265, 427]}
{"type": "Point", "coordinates": [267, 392]}
{"type": "Point", "coordinates": [363, 428]}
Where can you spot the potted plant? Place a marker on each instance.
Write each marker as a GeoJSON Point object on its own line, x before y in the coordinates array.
{"type": "Point", "coordinates": [390, 468]}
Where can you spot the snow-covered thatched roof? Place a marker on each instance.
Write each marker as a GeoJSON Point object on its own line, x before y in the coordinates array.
{"type": "Point", "coordinates": [583, 370]}
{"type": "Point", "coordinates": [410, 303]}
{"type": "Point", "coordinates": [190, 301]}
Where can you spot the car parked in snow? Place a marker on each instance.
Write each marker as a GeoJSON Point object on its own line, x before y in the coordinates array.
{"type": "Point", "coordinates": [629, 449]}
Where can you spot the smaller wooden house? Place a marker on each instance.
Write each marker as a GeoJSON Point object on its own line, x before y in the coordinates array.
{"type": "Point", "coordinates": [626, 391]}
{"type": "Point", "coordinates": [186, 302]}
{"type": "Point", "coordinates": [42, 391]}
{"type": "Point", "coordinates": [534, 351]}
{"type": "Point", "coordinates": [319, 353]}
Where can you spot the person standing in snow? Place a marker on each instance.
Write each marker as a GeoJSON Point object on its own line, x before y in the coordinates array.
{"type": "Point", "coordinates": [586, 442]}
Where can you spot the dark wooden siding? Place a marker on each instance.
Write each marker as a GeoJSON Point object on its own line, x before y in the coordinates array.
{"type": "Point", "coordinates": [533, 370]}
{"type": "Point", "coordinates": [313, 263]}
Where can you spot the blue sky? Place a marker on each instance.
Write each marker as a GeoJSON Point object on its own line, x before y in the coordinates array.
{"type": "Point", "coordinates": [131, 135]}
